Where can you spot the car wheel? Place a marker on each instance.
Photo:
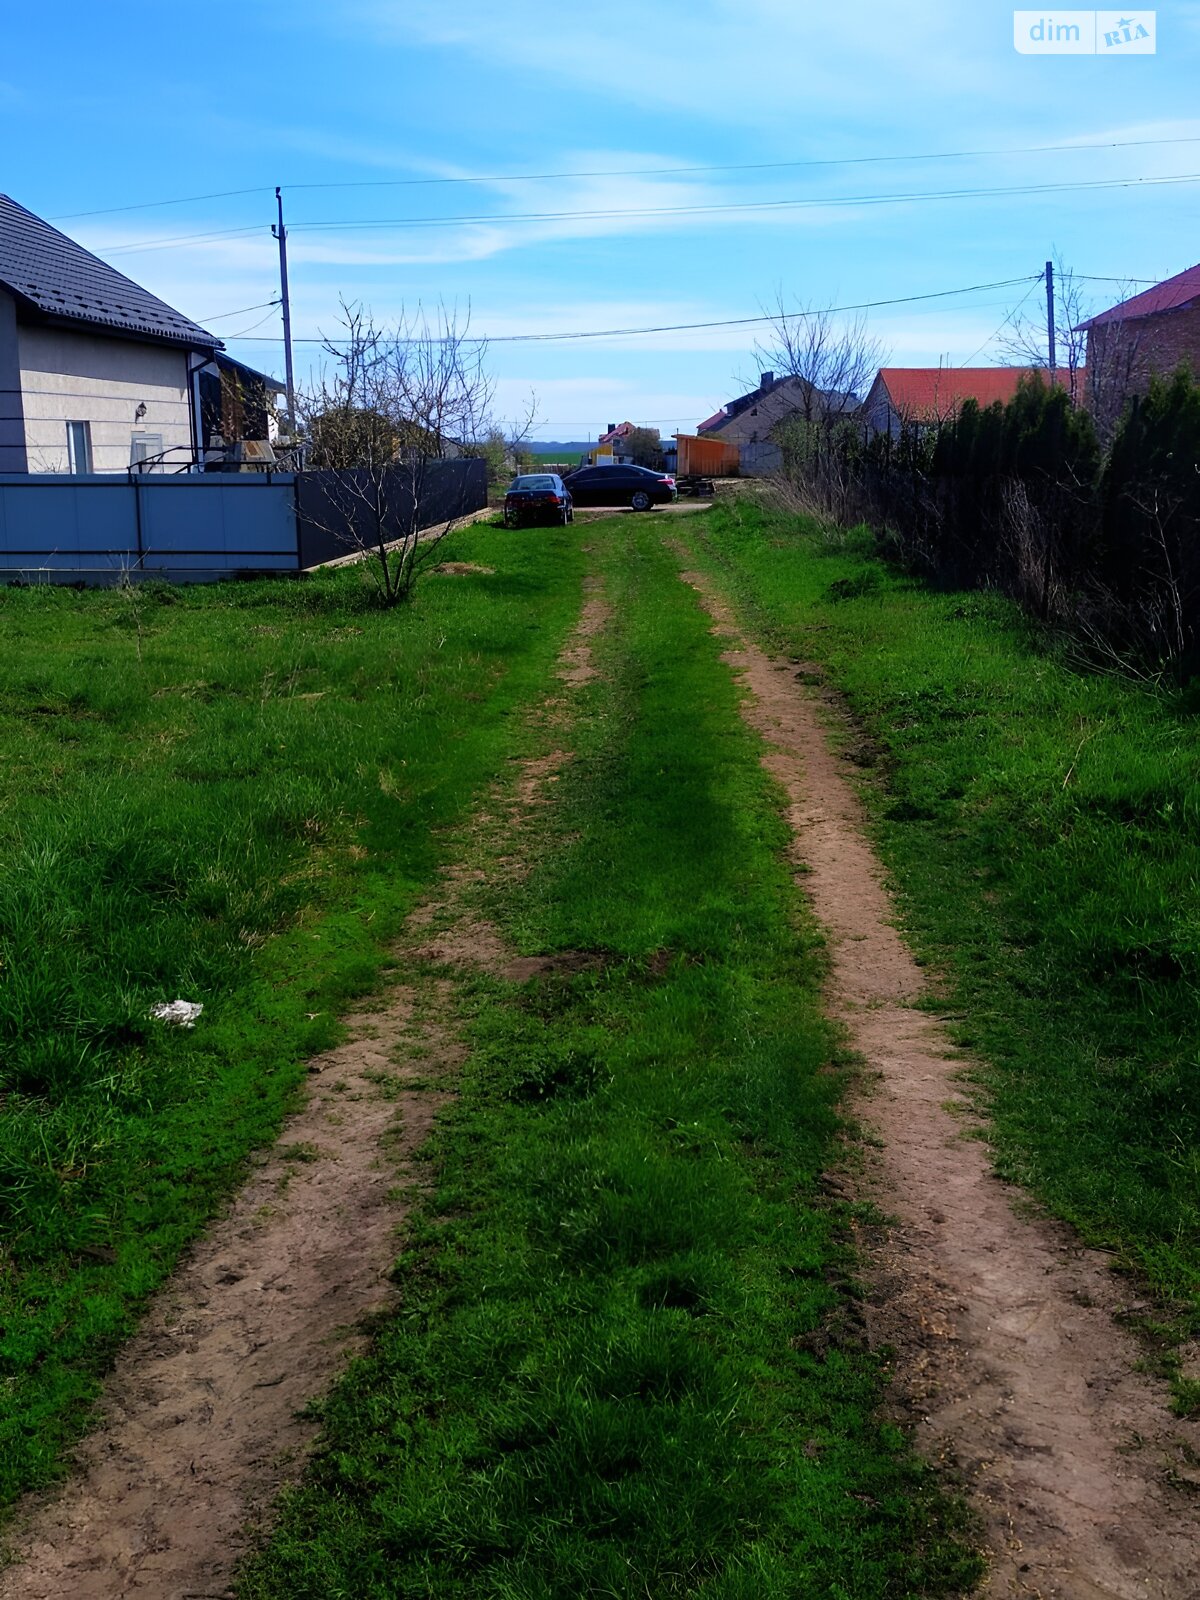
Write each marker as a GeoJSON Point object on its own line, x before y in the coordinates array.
{"type": "Point", "coordinates": [640, 500]}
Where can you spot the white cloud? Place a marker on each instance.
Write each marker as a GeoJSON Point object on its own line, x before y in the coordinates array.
{"type": "Point", "coordinates": [746, 61]}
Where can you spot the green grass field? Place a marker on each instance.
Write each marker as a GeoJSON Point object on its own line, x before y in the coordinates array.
{"type": "Point", "coordinates": [230, 794]}
{"type": "Point", "coordinates": [1041, 824]}
{"type": "Point", "coordinates": [626, 1359]}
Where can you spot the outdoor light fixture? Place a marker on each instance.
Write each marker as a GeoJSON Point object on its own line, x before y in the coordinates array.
{"type": "Point", "coordinates": [140, 412]}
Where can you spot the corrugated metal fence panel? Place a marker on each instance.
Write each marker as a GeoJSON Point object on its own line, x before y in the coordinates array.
{"type": "Point", "coordinates": [94, 528]}
{"type": "Point", "coordinates": [335, 507]}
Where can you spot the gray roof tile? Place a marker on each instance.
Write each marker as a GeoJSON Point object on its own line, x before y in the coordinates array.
{"type": "Point", "coordinates": [62, 279]}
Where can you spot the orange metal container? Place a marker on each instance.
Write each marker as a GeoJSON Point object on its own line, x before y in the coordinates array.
{"type": "Point", "coordinates": [705, 458]}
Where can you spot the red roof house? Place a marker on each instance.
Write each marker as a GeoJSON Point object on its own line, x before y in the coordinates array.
{"type": "Point", "coordinates": [1151, 333]}
{"type": "Point", "coordinates": [924, 395]}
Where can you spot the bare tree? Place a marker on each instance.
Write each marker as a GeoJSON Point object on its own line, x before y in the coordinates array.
{"type": "Point", "coordinates": [518, 432]}
{"type": "Point", "coordinates": [391, 405]}
{"type": "Point", "coordinates": [1097, 371]}
{"type": "Point", "coordinates": [834, 361]}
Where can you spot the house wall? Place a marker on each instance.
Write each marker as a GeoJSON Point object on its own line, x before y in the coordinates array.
{"type": "Point", "coordinates": [12, 413]}
{"type": "Point", "coordinates": [1123, 356]}
{"type": "Point", "coordinates": [753, 425]}
{"type": "Point", "coordinates": [82, 377]}
{"type": "Point", "coordinates": [878, 412]}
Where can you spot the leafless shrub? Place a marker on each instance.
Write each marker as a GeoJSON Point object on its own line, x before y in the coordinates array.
{"type": "Point", "coordinates": [390, 405]}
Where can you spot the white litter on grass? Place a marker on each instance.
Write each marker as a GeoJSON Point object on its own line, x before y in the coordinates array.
{"type": "Point", "coordinates": [180, 1013]}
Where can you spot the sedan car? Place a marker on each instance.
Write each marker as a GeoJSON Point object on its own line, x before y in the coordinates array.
{"type": "Point", "coordinates": [638, 487]}
{"type": "Point", "coordinates": [537, 497]}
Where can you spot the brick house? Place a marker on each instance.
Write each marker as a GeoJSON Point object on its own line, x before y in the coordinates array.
{"type": "Point", "coordinates": [1150, 334]}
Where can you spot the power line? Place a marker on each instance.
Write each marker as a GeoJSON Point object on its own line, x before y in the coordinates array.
{"type": "Point", "coordinates": [245, 331]}
{"type": "Point", "coordinates": [748, 166]}
{"type": "Point", "coordinates": [643, 172]}
{"type": "Point", "coordinates": [993, 336]}
{"type": "Point", "coordinates": [617, 213]}
{"type": "Point", "coordinates": [154, 205]}
{"type": "Point", "coordinates": [184, 238]}
{"type": "Point", "coordinates": [740, 205]}
{"type": "Point", "coordinates": [219, 316]}
{"type": "Point", "coordinates": [726, 322]}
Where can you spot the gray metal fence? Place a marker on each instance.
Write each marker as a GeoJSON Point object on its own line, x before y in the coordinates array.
{"type": "Point", "coordinates": [97, 527]}
{"type": "Point", "coordinates": [189, 527]}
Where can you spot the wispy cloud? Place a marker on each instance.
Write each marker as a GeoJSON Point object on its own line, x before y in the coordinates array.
{"type": "Point", "coordinates": [746, 62]}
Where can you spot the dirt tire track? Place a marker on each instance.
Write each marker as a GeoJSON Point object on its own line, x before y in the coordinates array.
{"type": "Point", "coordinates": [202, 1423]}
{"type": "Point", "coordinates": [1007, 1354]}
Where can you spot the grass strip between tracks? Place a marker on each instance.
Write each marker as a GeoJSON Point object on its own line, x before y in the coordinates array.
{"type": "Point", "coordinates": [627, 1359]}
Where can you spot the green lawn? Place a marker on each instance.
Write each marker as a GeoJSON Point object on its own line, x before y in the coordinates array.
{"type": "Point", "coordinates": [626, 1359]}
{"type": "Point", "coordinates": [231, 794]}
{"type": "Point", "coordinates": [1042, 824]}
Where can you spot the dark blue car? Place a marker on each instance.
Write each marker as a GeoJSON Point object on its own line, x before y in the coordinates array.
{"type": "Point", "coordinates": [537, 497]}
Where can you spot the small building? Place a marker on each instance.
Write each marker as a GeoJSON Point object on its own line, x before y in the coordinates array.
{"type": "Point", "coordinates": [926, 396]}
{"type": "Point", "coordinates": [705, 456]}
{"type": "Point", "coordinates": [99, 375]}
{"type": "Point", "coordinates": [1151, 334]}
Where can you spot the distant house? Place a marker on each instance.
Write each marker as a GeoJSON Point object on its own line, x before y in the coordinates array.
{"type": "Point", "coordinates": [612, 445]}
{"type": "Point", "coordinates": [925, 396]}
{"type": "Point", "coordinates": [96, 373]}
{"type": "Point", "coordinates": [1150, 334]}
{"type": "Point", "coordinates": [749, 419]}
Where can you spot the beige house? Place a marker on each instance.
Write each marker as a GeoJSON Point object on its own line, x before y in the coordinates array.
{"type": "Point", "coordinates": [749, 419]}
{"type": "Point", "coordinates": [96, 373]}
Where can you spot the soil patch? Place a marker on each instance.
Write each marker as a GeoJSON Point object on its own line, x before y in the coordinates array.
{"type": "Point", "coordinates": [576, 665]}
{"type": "Point", "coordinates": [202, 1414]}
{"type": "Point", "coordinates": [1007, 1356]}
{"type": "Point", "coordinates": [462, 569]}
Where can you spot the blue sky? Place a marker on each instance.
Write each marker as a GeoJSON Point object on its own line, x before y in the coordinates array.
{"type": "Point", "coordinates": [183, 102]}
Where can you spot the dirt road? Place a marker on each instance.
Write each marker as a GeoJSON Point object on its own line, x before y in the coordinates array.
{"type": "Point", "coordinates": [1007, 1356]}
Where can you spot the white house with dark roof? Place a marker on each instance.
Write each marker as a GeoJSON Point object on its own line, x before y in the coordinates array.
{"type": "Point", "coordinates": [96, 373]}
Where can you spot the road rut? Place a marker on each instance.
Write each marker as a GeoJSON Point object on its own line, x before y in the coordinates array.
{"type": "Point", "coordinates": [1007, 1355]}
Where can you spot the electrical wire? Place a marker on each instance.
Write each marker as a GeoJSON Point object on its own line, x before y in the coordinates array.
{"type": "Point", "coordinates": [642, 172]}
{"type": "Point", "coordinates": [153, 205]}
{"type": "Point", "coordinates": [740, 206]}
{"type": "Point", "coordinates": [745, 207]}
{"type": "Point", "coordinates": [219, 316]}
{"type": "Point", "coordinates": [119, 249]}
{"type": "Point", "coordinates": [726, 322]}
{"type": "Point", "coordinates": [992, 337]}
{"type": "Point", "coordinates": [270, 314]}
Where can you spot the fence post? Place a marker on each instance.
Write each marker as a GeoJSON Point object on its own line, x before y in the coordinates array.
{"type": "Point", "coordinates": [135, 481]}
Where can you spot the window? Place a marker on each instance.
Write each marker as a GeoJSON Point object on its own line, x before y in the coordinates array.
{"type": "Point", "coordinates": [144, 447]}
{"type": "Point", "coordinates": [79, 447]}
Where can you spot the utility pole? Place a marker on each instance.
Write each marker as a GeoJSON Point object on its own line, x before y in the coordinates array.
{"type": "Point", "coordinates": [280, 233]}
{"type": "Point", "coordinates": [1049, 319]}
